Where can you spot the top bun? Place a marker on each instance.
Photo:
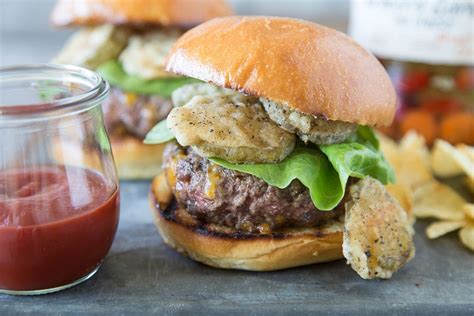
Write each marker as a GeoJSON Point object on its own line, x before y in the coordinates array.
{"type": "Point", "coordinates": [311, 68]}
{"type": "Point", "coordinates": [179, 13]}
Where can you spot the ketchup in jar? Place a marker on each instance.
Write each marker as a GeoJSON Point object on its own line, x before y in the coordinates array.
{"type": "Point", "coordinates": [56, 225]}
{"type": "Point", "coordinates": [59, 195]}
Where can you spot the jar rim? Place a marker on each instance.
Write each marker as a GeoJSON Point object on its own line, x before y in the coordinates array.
{"type": "Point", "coordinates": [96, 88]}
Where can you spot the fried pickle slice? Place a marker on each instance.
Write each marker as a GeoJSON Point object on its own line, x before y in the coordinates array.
{"type": "Point", "coordinates": [317, 130]}
{"type": "Point", "coordinates": [225, 127]}
{"type": "Point", "coordinates": [377, 238]}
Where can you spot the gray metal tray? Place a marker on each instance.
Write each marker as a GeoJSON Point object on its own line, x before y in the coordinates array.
{"type": "Point", "coordinates": [141, 275]}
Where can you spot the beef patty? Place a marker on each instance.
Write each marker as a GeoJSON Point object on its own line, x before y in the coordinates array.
{"type": "Point", "coordinates": [225, 197]}
{"type": "Point", "coordinates": [134, 114]}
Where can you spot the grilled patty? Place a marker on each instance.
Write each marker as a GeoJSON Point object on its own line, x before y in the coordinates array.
{"type": "Point", "coordinates": [225, 197]}
{"type": "Point", "coordinates": [134, 114]}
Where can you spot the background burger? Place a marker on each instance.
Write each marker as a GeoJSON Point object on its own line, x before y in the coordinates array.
{"type": "Point", "coordinates": [126, 42]}
{"type": "Point", "coordinates": [274, 164]}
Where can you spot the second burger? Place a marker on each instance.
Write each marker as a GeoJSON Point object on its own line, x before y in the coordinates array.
{"type": "Point", "coordinates": [126, 42]}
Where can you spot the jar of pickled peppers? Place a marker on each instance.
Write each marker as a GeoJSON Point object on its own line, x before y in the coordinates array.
{"type": "Point", "coordinates": [427, 48]}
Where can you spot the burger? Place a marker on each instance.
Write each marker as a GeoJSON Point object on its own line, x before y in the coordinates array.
{"type": "Point", "coordinates": [271, 162]}
{"type": "Point", "coordinates": [126, 42]}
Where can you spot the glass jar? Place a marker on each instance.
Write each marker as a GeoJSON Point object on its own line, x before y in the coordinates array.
{"type": "Point", "coordinates": [59, 200]}
{"type": "Point", "coordinates": [436, 101]}
{"type": "Point", "coordinates": [427, 48]}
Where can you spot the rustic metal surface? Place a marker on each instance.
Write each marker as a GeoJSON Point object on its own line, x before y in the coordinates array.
{"type": "Point", "coordinates": [141, 275]}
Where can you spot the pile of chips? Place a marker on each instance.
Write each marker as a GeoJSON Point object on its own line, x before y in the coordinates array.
{"type": "Point", "coordinates": [418, 190]}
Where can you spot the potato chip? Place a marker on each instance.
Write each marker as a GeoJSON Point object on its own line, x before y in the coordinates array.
{"type": "Point", "coordinates": [412, 174]}
{"type": "Point", "coordinates": [447, 160]}
{"type": "Point", "coordinates": [465, 159]}
{"type": "Point", "coordinates": [413, 142]}
{"type": "Point", "coordinates": [403, 196]}
{"type": "Point", "coordinates": [466, 150]}
{"type": "Point", "coordinates": [390, 150]}
{"type": "Point", "coordinates": [410, 159]}
{"type": "Point", "coordinates": [438, 200]}
{"type": "Point", "coordinates": [421, 195]}
{"type": "Point", "coordinates": [443, 160]}
{"type": "Point", "coordinates": [469, 210]}
{"type": "Point", "coordinates": [413, 169]}
{"type": "Point", "coordinates": [439, 229]}
{"type": "Point", "coordinates": [466, 235]}
{"type": "Point", "coordinates": [469, 184]}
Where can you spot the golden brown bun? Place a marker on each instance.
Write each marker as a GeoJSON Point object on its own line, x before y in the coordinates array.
{"type": "Point", "coordinates": [180, 13]}
{"type": "Point", "coordinates": [135, 160]}
{"type": "Point", "coordinates": [222, 247]}
{"type": "Point", "coordinates": [309, 67]}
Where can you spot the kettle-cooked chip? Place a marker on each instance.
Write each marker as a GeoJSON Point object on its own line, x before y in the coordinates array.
{"type": "Point", "coordinates": [438, 200]}
{"type": "Point", "coordinates": [442, 161]}
{"type": "Point", "coordinates": [410, 160]}
{"type": "Point", "coordinates": [404, 198]}
{"type": "Point", "coordinates": [447, 160]}
{"type": "Point", "coordinates": [468, 209]}
{"type": "Point", "coordinates": [414, 168]}
{"type": "Point", "coordinates": [469, 182]}
{"type": "Point", "coordinates": [441, 228]}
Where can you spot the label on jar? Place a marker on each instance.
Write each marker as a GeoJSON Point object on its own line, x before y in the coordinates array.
{"type": "Point", "coordinates": [429, 31]}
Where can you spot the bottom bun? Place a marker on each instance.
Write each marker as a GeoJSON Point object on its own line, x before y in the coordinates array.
{"type": "Point", "coordinates": [134, 159]}
{"type": "Point", "coordinates": [222, 247]}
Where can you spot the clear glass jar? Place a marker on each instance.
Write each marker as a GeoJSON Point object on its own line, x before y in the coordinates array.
{"type": "Point", "coordinates": [428, 50]}
{"type": "Point", "coordinates": [436, 101]}
{"type": "Point", "coordinates": [59, 200]}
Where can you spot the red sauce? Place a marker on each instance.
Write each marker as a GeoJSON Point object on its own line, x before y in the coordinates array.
{"type": "Point", "coordinates": [56, 225]}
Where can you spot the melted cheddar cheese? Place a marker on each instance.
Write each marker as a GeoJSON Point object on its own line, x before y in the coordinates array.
{"type": "Point", "coordinates": [211, 179]}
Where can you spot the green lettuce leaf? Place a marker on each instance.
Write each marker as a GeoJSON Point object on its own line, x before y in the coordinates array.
{"type": "Point", "coordinates": [366, 136]}
{"type": "Point", "coordinates": [308, 165]}
{"type": "Point", "coordinates": [356, 160]}
{"type": "Point", "coordinates": [360, 157]}
{"type": "Point", "coordinates": [159, 134]}
{"type": "Point", "coordinates": [113, 72]}
{"type": "Point", "coordinates": [324, 171]}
